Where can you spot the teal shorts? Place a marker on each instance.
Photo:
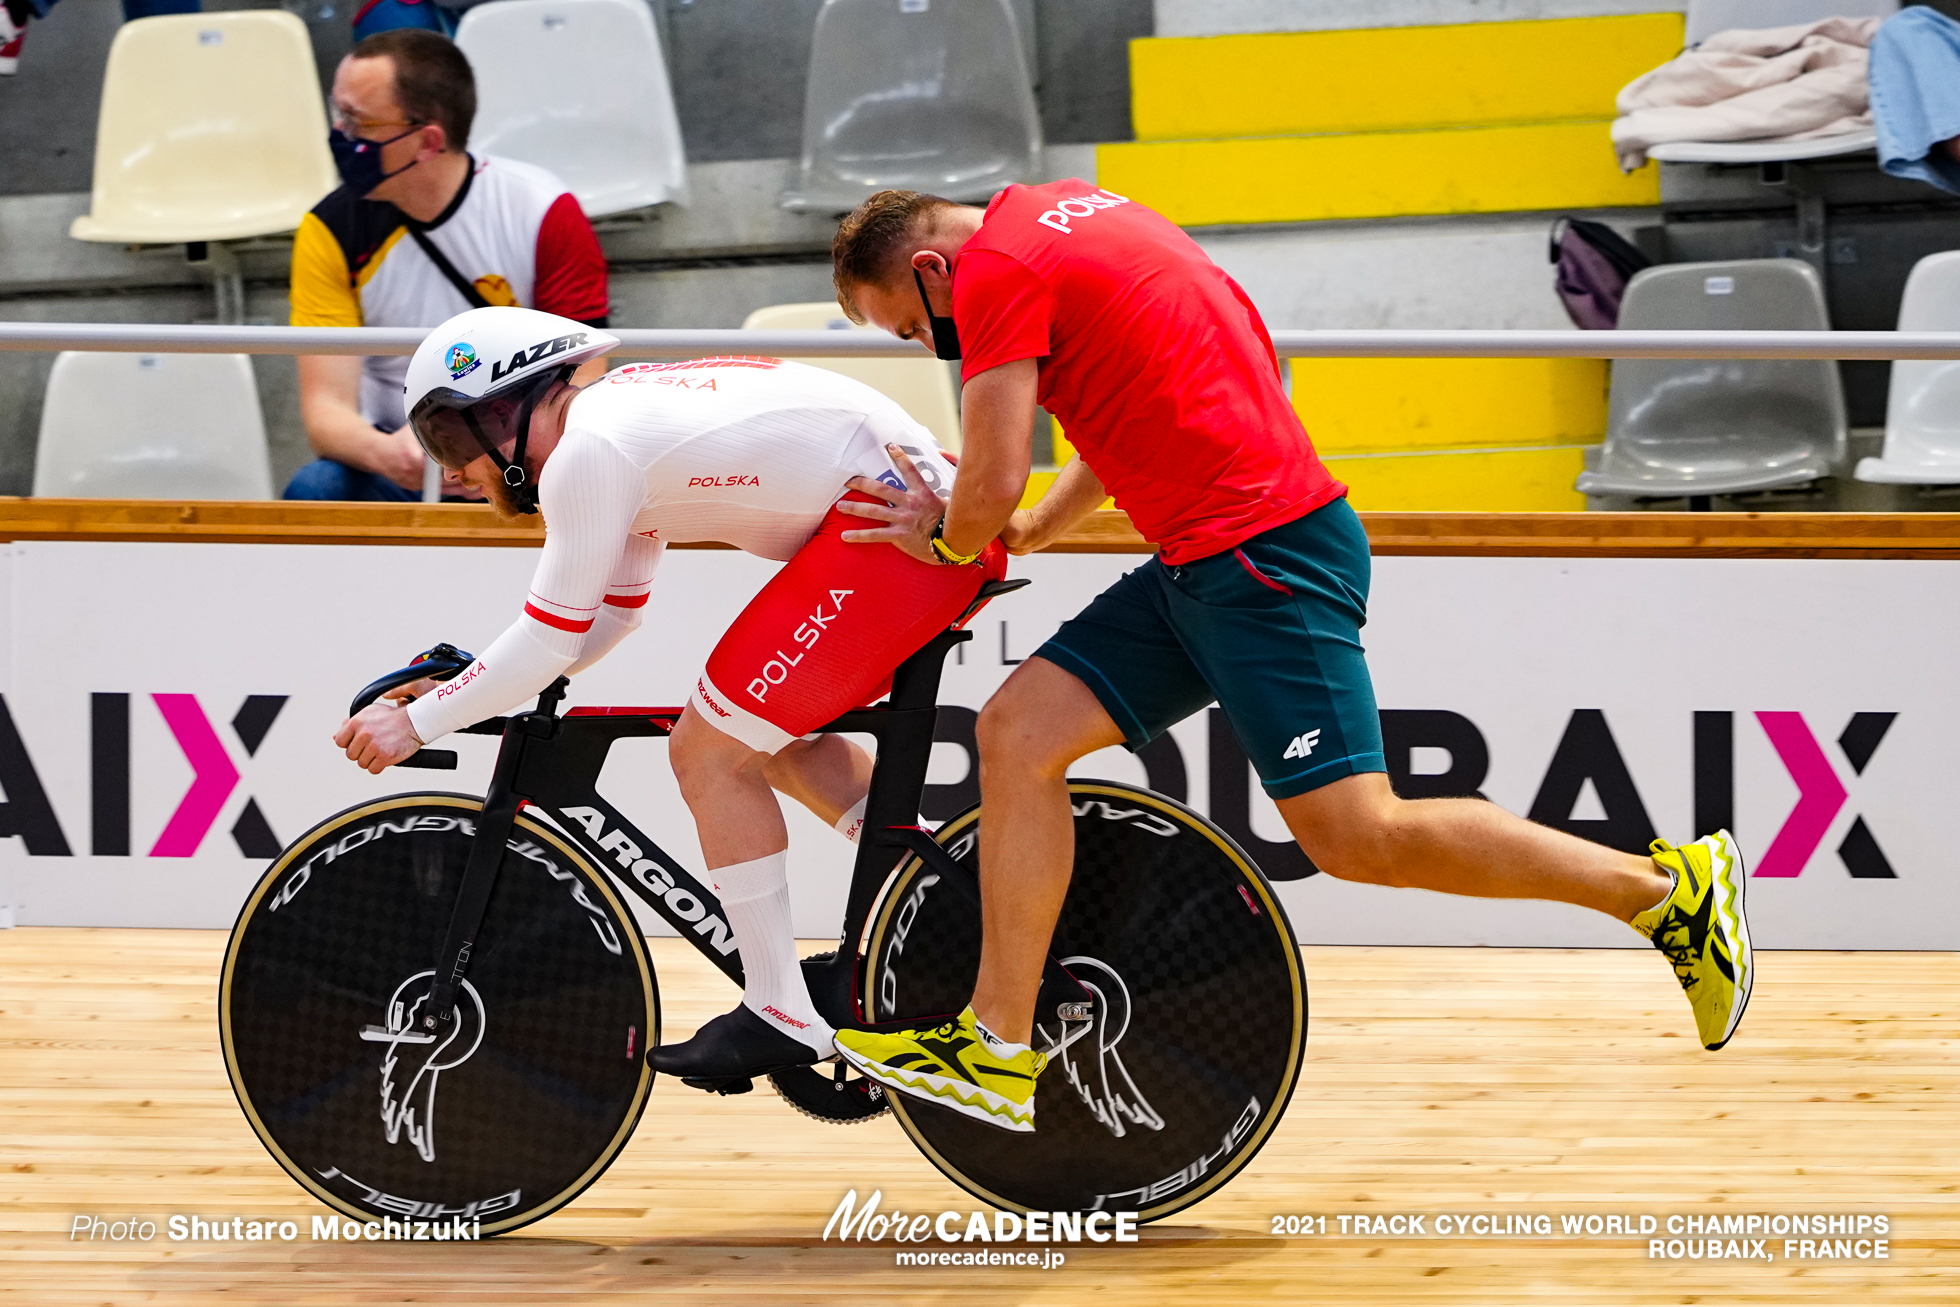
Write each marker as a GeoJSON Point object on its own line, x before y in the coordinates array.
{"type": "Point", "coordinates": [1271, 630]}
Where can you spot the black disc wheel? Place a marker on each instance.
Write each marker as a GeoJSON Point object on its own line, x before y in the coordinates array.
{"type": "Point", "coordinates": [1197, 1023]}
{"type": "Point", "coordinates": [536, 1082]}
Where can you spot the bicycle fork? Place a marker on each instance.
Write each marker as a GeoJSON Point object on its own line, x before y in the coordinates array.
{"type": "Point", "coordinates": [494, 824]}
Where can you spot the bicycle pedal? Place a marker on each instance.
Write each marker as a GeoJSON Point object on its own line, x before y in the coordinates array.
{"type": "Point", "coordinates": [741, 1086]}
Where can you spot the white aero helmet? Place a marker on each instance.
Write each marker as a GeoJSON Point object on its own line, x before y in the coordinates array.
{"type": "Point", "coordinates": [474, 381]}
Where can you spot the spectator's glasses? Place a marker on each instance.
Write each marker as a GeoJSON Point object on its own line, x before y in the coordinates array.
{"type": "Point", "coordinates": [351, 125]}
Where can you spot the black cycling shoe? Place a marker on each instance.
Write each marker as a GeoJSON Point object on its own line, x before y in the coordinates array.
{"type": "Point", "coordinates": [728, 1052]}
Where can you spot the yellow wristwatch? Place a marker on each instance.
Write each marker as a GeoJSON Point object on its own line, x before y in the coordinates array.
{"type": "Point", "coordinates": [945, 552]}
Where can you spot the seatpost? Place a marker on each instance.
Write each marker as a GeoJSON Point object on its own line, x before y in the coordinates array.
{"type": "Point", "coordinates": [915, 683]}
{"type": "Point", "coordinates": [904, 728]}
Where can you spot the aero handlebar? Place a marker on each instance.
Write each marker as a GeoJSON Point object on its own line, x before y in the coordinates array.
{"type": "Point", "coordinates": [439, 663]}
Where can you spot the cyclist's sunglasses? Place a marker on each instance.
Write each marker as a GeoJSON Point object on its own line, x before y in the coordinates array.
{"type": "Point", "coordinates": [456, 430]}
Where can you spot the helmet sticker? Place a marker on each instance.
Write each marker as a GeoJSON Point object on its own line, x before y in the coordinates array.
{"type": "Point", "coordinates": [461, 359]}
{"type": "Point", "coordinates": [525, 357]}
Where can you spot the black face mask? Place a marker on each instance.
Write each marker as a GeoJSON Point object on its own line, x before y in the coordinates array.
{"type": "Point", "coordinates": [945, 336]}
{"type": "Point", "coordinates": [359, 161]}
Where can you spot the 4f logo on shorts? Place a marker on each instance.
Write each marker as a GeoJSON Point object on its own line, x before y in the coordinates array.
{"type": "Point", "coordinates": [1302, 744]}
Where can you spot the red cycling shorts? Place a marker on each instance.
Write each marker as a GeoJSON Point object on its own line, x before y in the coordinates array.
{"type": "Point", "coordinates": [827, 632]}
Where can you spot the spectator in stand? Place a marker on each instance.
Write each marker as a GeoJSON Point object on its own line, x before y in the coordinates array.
{"type": "Point", "coordinates": [419, 231]}
{"type": "Point", "coordinates": [13, 30]}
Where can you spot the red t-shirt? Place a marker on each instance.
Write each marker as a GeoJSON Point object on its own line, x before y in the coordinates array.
{"type": "Point", "coordinates": [1153, 360]}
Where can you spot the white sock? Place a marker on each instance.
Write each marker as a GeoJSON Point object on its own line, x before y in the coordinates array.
{"type": "Point", "coordinates": [995, 1044]}
{"type": "Point", "coordinates": [755, 899]}
{"type": "Point", "coordinates": [852, 823]}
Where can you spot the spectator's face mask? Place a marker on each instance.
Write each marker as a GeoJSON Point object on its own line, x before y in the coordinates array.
{"type": "Point", "coordinates": [359, 159]}
{"type": "Point", "coordinates": [945, 335]}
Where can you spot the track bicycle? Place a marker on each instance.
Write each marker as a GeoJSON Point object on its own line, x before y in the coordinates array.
{"type": "Point", "coordinates": [435, 1006]}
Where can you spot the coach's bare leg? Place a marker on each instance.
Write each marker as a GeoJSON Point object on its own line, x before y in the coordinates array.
{"type": "Point", "coordinates": [1035, 725]}
{"type": "Point", "coordinates": [1357, 829]}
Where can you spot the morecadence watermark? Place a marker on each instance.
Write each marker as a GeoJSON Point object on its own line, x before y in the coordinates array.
{"type": "Point", "coordinates": [857, 1222]}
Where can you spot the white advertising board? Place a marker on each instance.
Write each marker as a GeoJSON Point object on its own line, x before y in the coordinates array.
{"type": "Point", "coordinates": [168, 708]}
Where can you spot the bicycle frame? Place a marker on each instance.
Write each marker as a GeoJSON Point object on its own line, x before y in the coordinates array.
{"type": "Point", "coordinates": [553, 762]}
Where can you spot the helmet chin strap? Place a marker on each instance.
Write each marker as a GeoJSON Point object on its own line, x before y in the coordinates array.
{"type": "Point", "coordinates": [523, 491]}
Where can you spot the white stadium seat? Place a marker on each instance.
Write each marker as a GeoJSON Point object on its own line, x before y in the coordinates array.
{"type": "Point", "coordinates": [1707, 17]}
{"type": "Point", "coordinates": [152, 426]}
{"type": "Point", "coordinates": [578, 87]}
{"type": "Point", "coordinates": [923, 387]}
{"type": "Point", "coordinates": [212, 128]}
{"type": "Point", "coordinates": [1700, 427]}
{"type": "Point", "coordinates": [1922, 407]}
{"type": "Point", "coordinates": [925, 95]}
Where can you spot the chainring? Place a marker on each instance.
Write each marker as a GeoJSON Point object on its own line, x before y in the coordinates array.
{"type": "Point", "coordinates": [819, 1093]}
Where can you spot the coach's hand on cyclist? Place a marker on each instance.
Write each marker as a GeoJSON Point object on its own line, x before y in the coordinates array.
{"type": "Point", "coordinates": [379, 735]}
{"type": "Point", "coordinates": [909, 514]}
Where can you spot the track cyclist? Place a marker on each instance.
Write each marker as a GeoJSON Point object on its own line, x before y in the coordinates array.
{"type": "Point", "coordinates": [1159, 368]}
{"type": "Point", "coordinates": [752, 452]}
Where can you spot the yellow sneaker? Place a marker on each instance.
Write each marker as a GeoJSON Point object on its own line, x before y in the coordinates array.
{"type": "Point", "coordinates": [1701, 930]}
{"type": "Point", "coordinates": [950, 1064]}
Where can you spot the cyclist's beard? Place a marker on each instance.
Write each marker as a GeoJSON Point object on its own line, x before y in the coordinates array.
{"type": "Point", "coordinates": [504, 501]}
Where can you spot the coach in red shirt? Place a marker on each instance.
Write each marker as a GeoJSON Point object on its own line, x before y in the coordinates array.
{"type": "Point", "coordinates": [1159, 368]}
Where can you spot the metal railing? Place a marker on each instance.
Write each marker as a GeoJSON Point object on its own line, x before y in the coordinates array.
{"type": "Point", "coordinates": [145, 339]}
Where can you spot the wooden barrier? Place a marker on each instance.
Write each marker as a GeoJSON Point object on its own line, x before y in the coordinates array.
{"type": "Point", "coordinates": [1556, 535]}
{"type": "Point", "coordinates": [1561, 535]}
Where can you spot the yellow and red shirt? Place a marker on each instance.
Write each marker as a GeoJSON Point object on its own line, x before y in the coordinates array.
{"type": "Point", "coordinates": [513, 230]}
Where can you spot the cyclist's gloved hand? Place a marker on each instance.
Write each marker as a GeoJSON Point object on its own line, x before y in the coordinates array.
{"type": "Point", "coordinates": [378, 736]}
{"type": "Point", "coordinates": [909, 514]}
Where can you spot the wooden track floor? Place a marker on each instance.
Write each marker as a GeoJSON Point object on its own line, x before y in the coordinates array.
{"type": "Point", "coordinates": [1437, 1080]}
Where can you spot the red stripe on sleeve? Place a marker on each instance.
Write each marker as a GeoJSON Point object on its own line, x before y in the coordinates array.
{"type": "Point", "coordinates": [553, 619]}
{"type": "Point", "coordinates": [571, 268]}
{"type": "Point", "coordinates": [628, 601]}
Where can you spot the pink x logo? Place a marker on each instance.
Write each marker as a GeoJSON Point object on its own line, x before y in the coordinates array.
{"type": "Point", "coordinates": [213, 777]}
{"type": "Point", "coordinates": [1820, 794]}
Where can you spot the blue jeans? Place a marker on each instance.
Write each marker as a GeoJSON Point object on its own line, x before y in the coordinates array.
{"type": "Point", "coordinates": [135, 9]}
{"type": "Point", "coordinates": [325, 479]}
{"type": "Point", "coordinates": [1915, 78]}
{"type": "Point", "coordinates": [386, 15]}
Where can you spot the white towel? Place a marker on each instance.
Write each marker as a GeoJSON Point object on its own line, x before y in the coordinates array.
{"type": "Point", "coordinates": [1777, 84]}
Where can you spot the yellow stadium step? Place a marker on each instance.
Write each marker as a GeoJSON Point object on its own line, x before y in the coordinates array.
{"type": "Point", "coordinates": [1038, 483]}
{"type": "Point", "coordinates": [1377, 405]}
{"type": "Point", "coordinates": [1376, 174]}
{"type": "Point", "coordinates": [1468, 481]}
{"type": "Point", "coordinates": [1391, 78]}
{"type": "Point", "coordinates": [1535, 480]}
